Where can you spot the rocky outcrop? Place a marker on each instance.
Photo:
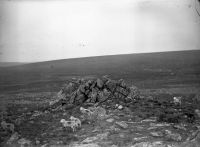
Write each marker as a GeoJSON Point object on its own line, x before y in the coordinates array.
{"type": "Point", "coordinates": [96, 91]}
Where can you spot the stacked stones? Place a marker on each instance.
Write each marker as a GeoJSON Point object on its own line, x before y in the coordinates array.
{"type": "Point", "coordinates": [97, 91]}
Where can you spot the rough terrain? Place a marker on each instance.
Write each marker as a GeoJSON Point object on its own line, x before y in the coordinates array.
{"type": "Point", "coordinates": [123, 117]}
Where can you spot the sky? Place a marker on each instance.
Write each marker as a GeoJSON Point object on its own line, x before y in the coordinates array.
{"type": "Point", "coordinates": [41, 30]}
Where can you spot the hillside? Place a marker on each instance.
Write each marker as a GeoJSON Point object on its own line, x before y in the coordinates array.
{"type": "Point", "coordinates": [9, 64]}
{"type": "Point", "coordinates": [174, 67]}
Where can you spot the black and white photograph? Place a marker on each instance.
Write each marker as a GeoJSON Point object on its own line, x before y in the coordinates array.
{"type": "Point", "coordinates": [99, 73]}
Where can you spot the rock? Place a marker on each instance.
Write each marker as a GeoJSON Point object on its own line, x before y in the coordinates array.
{"type": "Point", "coordinates": [105, 78]}
{"type": "Point", "coordinates": [14, 137]}
{"type": "Point", "coordinates": [181, 127]}
{"type": "Point", "coordinates": [99, 137]}
{"type": "Point", "coordinates": [177, 100]}
{"type": "Point", "coordinates": [122, 135]}
{"type": "Point", "coordinates": [122, 124]}
{"type": "Point", "coordinates": [24, 142]}
{"type": "Point", "coordinates": [110, 120]}
{"type": "Point", "coordinates": [100, 112]}
{"type": "Point", "coordinates": [94, 113]}
{"type": "Point", "coordinates": [44, 145]}
{"type": "Point", "coordinates": [159, 124]}
{"type": "Point", "coordinates": [36, 113]}
{"type": "Point", "coordinates": [193, 141]}
{"type": "Point", "coordinates": [99, 83]}
{"type": "Point", "coordinates": [88, 84]}
{"type": "Point", "coordinates": [103, 95]}
{"type": "Point", "coordinates": [97, 91]}
{"type": "Point", "coordinates": [113, 128]}
{"type": "Point", "coordinates": [85, 145]}
{"type": "Point", "coordinates": [120, 107]}
{"type": "Point", "coordinates": [172, 136]}
{"type": "Point", "coordinates": [37, 142]}
{"type": "Point", "coordinates": [122, 83]}
{"type": "Point", "coordinates": [103, 136]}
{"type": "Point", "coordinates": [134, 93]}
{"type": "Point", "coordinates": [197, 111]}
{"type": "Point", "coordinates": [111, 85]}
{"type": "Point", "coordinates": [59, 142]}
{"type": "Point", "coordinates": [150, 144]}
{"type": "Point", "coordinates": [93, 96]}
{"type": "Point", "coordinates": [7, 126]}
{"type": "Point", "coordinates": [140, 138]}
{"type": "Point", "coordinates": [18, 121]}
{"type": "Point", "coordinates": [80, 99]}
{"type": "Point", "coordinates": [152, 128]}
{"type": "Point", "coordinates": [113, 145]}
{"type": "Point", "coordinates": [149, 120]}
{"type": "Point", "coordinates": [156, 134]}
{"type": "Point", "coordinates": [82, 88]}
{"type": "Point", "coordinates": [90, 139]}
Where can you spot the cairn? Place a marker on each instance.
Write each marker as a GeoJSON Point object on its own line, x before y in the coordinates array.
{"type": "Point", "coordinates": [96, 91]}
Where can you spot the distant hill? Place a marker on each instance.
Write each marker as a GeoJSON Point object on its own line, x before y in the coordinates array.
{"type": "Point", "coordinates": [182, 66]}
{"type": "Point", "coordinates": [116, 63]}
{"type": "Point", "coordinates": [9, 64]}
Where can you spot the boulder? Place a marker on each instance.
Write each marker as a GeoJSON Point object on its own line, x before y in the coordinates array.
{"type": "Point", "coordinates": [99, 83]}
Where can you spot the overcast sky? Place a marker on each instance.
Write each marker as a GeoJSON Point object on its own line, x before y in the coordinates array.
{"type": "Point", "coordinates": [39, 30]}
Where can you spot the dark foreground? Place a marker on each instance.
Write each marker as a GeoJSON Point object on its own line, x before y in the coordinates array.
{"type": "Point", "coordinates": [153, 120]}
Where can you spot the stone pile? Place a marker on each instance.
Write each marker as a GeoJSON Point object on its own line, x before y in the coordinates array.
{"type": "Point", "coordinates": [96, 91]}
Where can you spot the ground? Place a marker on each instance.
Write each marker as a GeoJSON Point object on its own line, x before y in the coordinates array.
{"type": "Point", "coordinates": [26, 93]}
{"type": "Point", "coordinates": [45, 127]}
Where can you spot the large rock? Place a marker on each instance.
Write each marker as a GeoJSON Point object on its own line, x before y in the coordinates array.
{"type": "Point", "coordinates": [122, 83]}
{"type": "Point", "coordinates": [99, 83]}
{"type": "Point", "coordinates": [134, 93]}
{"type": "Point", "coordinates": [111, 85]}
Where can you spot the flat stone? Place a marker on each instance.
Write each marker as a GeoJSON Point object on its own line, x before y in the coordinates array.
{"type": "Point", "coordinates": [156, 134]}
{"type": "Point", "coordinates": [110, 120]}
{"type": "Point", "coordinates": [181, 127]}
{"type": "Point", "coordinates": [149, 120]}
{"type": "Point", "coordinates": [120, 107]}
{"type": "Point", "coordinates": [90, 139]}
{"type": "Point", "coordinates": [140, 138]}
{"type": "Point", "coordinates": [122, 124]}
{"type": "Point", "coordinates": [159, 124]}
{"type": "Point", "coordinates": [85, 145]}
